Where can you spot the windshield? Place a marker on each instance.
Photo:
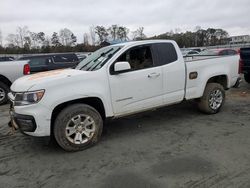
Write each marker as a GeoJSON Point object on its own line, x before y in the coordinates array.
{"type": "Point", "coordinates": [97, 59]}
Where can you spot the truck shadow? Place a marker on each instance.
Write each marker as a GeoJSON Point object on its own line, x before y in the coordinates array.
{"type": "Point", "coordinates": [166, 117]}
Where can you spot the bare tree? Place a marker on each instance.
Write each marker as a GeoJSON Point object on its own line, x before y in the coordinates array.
{"type": "Point", "coordinates": [55, 39]}
{"type": "Point", "coordinates": [101, 33]}
{"type": "Point", "coordinates": [86, 39]}
{"type": "Point", "coordinates": [67, 37]}
{"type": "Point", "coordinates": [113, 31]}
{"type": "Point", "coordinates": [92, 34]}
{"type": "Point", "coordinates": [46, 41]}
{"type": "Point", "coordinates": [12, 40]}
{"type": "Point", "coordinates": [122, 33]}
{"type": "Point", "coordinates": [22, 32]}
{"type": "Point", "coordinates": [139, 34]}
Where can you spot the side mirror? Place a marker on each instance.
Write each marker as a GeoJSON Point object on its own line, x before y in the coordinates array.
{"type": "Point", "coordinates": [122, 67]}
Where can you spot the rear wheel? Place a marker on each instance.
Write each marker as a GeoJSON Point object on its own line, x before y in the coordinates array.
{"type": "Point", "coordinates": [77, 127]}
{"type": "Point", "coordinates": [4, 90]}
{"type": "Point", "coordinates": [247, 77]}
{"type": "Point", "coordinates": [213, 98]}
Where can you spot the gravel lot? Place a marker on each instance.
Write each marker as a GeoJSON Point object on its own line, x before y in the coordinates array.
{"type": "Point", "coordinates": [172, 147]}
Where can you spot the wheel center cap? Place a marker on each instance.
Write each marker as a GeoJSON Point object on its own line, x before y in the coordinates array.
{"type": "Point", "coordinates": [80, 128]}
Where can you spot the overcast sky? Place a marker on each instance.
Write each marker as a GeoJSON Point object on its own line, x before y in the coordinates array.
{"type": "Point", "coordinates": [157, 16]}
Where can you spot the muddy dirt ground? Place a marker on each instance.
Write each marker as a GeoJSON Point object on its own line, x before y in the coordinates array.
{"type": "Point", "coordinates": [175, 146]}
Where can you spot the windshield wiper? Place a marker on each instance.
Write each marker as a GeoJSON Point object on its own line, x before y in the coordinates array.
{"type": "Point", "coordinates": [109, 56]}
{"type": "Point", "coordinates": [85, 65]}
{"type": "Point", "coordinates": [102, 55]}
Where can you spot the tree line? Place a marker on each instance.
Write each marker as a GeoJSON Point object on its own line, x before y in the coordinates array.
{"type": "Point", "coordinates": [199, 38]}
{"type": "Point", "coordinates": [26, 41]}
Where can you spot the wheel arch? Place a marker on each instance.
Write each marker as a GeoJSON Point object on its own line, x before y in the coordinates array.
{"type": "Point", "coordinates": [5, 80]}
{"type": "Point", "coordinates": [220, 79]}
{"type": "Point", "coordinates": [94, 102]}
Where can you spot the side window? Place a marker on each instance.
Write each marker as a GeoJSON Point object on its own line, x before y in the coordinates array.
{"type": "Point", "coordinates": [232, 52]}
{"type": "Point", "coordinates": [67, 58]}
{"type": "Point", "coordinates": [138, 58]}
{"type": "Point", "coordinates": [39, 61]}
{"type": "Point", "coordinates": [166, 53]}
{"type": "Point", "coordinates": [224, 52]}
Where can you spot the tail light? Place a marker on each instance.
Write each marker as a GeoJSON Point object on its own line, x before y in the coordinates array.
{"type": "Point", "coordinates": [26, 69]}
{"type": "Point", "coordinates": [240, 66]}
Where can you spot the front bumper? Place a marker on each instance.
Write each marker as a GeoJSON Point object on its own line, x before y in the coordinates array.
{"type": "Point", "coordinates": [25, 123]}
{"type": "Point", "coordinates": [33, 120]}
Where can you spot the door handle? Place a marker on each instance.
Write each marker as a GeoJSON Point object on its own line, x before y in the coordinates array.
{"type": "Point", "coordinates": [154, 75]}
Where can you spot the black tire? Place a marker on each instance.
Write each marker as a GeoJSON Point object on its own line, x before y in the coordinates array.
{"type": "Point", "coordinates": [247, 77]}
{"type": "Point", "coordinates": [62, 123]}
{"type": "Point", "coordinates": [4, 89]}
{"type": "Point", "coordinates": [208, 105]}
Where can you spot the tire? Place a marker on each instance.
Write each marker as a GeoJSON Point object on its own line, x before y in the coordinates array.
{"type": "Point", "coordinates": [4, 90]}
{"type": "Point", "coordinates": [78, 127]}
{"type": "Point", "coordinates": [213, 99]}
{"type": "Point", "coordinates": [247, 77]}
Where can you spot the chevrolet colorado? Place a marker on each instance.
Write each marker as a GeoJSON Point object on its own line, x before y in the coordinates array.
{"type": "Point", "coordinates": [116, 81]}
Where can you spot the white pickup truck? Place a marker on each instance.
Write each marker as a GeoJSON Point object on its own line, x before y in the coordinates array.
{"type": "Point", "coordinates": [9, 72]}
{"type": "Point", "coordinates": [115, 81]}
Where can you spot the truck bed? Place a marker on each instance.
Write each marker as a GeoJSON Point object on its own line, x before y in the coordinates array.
{"type": "Point", "coordinates": [209, 66]}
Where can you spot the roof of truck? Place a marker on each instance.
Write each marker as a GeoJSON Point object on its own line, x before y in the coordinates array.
{"type": "Point", "coordinates": [132, 43]}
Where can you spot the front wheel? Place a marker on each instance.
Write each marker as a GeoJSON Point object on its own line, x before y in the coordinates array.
{"type": "Point", "coordinates": [77, 127]}
{"type": "Point", "coordinates": [247, 77]}
{"type": "Point", "coordinates": [213, 99]}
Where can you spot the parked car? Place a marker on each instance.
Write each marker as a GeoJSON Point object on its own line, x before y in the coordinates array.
{"type": "Point", "coordinates": [7, 58]}
{"type": "Point", "coordinates": [190, 53]}
{"type": "Point", "coordinates": [9, 72]}
{"type": "Point", "coordinates": [245, 63]}
{"type": "Point", "coordinates": [116, 81]}
{"type": "Point", "coordinates": [197, 49]}
{"type": "Point", "coordinates": [218, 52]}
{"type": "Point", "coordinates": [40, 63]}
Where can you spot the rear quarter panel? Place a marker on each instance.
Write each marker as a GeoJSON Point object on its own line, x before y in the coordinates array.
{"type": "Point", "coordinates": [207, 69]}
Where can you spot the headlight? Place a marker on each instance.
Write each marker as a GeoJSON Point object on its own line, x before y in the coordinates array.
{"type": "Point", "coordinates": [27, 98]}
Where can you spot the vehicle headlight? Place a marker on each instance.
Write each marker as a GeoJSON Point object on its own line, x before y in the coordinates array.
{"type": "Point", "coordinates": [28, 98]}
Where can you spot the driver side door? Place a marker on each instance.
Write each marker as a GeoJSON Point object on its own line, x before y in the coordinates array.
{"type": "Point", "coordinates": [140, 88]}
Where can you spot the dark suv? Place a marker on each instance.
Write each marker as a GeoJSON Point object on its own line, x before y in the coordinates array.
{"type": "Point", "coordinates": [39, 63]}
{"type": "Point", "coordinates": [7, 58]}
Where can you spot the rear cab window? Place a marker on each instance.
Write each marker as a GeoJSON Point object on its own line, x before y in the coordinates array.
{"type": "Point", "coordinates": [38, 61]}
{"type": "Point", "coordinates": [165, 53]}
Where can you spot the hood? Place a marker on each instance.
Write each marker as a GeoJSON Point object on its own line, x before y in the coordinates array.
{"type": "Point", "coordinates": [44, 78]}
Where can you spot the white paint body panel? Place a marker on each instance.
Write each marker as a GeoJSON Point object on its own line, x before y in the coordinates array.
{"type": "Point", "coordinates": [12, 70]}
{"type": "Point", "coordinates": [125, 93]}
